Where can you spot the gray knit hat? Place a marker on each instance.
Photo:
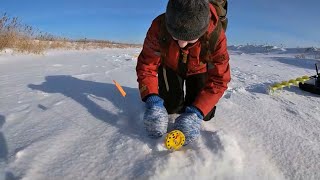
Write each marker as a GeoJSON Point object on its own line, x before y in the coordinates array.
{"type": "Point", "coordinates": [187, 19]}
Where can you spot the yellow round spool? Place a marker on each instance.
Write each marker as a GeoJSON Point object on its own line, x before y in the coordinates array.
{"type": "Point", "coordinates": [174, 140]}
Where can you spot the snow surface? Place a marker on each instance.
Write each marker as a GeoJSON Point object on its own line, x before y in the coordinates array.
{"type": "Point", "coordinates": [61, 117]}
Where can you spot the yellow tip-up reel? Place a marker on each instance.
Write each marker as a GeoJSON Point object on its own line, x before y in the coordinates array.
{"type": "Point", "coordinates": [174, 140]}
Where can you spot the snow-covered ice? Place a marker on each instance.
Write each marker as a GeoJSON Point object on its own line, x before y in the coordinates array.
{"type": "Point", "coordinates": [61, 117]}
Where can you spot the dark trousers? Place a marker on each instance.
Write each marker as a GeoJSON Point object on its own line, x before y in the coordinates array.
{"type": "Point", "coordinates": [175, 100]}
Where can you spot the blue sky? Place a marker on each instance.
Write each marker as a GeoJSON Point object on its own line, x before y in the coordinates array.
{"type": "Point", "coordinates": [289, 22]}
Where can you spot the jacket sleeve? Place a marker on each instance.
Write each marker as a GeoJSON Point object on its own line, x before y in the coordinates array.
{"type": "Point", "coordinates": [218, 77]}
{"type": "Point", "coordinates": [149, 61]}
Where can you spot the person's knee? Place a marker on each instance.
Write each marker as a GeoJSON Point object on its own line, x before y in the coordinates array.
{"type": "Point", "coordinates": [174, 108]}
{"type": "Point", "coordinates": [211, 114]}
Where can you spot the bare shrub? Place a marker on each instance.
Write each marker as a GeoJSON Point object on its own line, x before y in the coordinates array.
{"type": "Point", "coordinates": [25, 39]}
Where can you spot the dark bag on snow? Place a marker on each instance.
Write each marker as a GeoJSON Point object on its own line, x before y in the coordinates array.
{"type": "Point", "coordinates": [312, 85]}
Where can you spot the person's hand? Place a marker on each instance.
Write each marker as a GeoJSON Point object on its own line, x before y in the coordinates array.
{"type": "Point", "coordinates": [156, 117]}
{"type": "Point", "coordinates": [189, 124]}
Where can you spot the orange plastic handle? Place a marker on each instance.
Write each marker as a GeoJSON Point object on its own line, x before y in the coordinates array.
{"type": "Point", "coordinates": [123, 93]}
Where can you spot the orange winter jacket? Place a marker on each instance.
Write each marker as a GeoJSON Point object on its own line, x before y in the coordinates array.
{"type": "Point", "coordinates": [217, 65]}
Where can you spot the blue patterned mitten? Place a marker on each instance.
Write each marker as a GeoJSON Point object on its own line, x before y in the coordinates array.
{"type": "Point", "coordinates": [156, 117]}
{"type": "Point", "coordinates": [189, 123]}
